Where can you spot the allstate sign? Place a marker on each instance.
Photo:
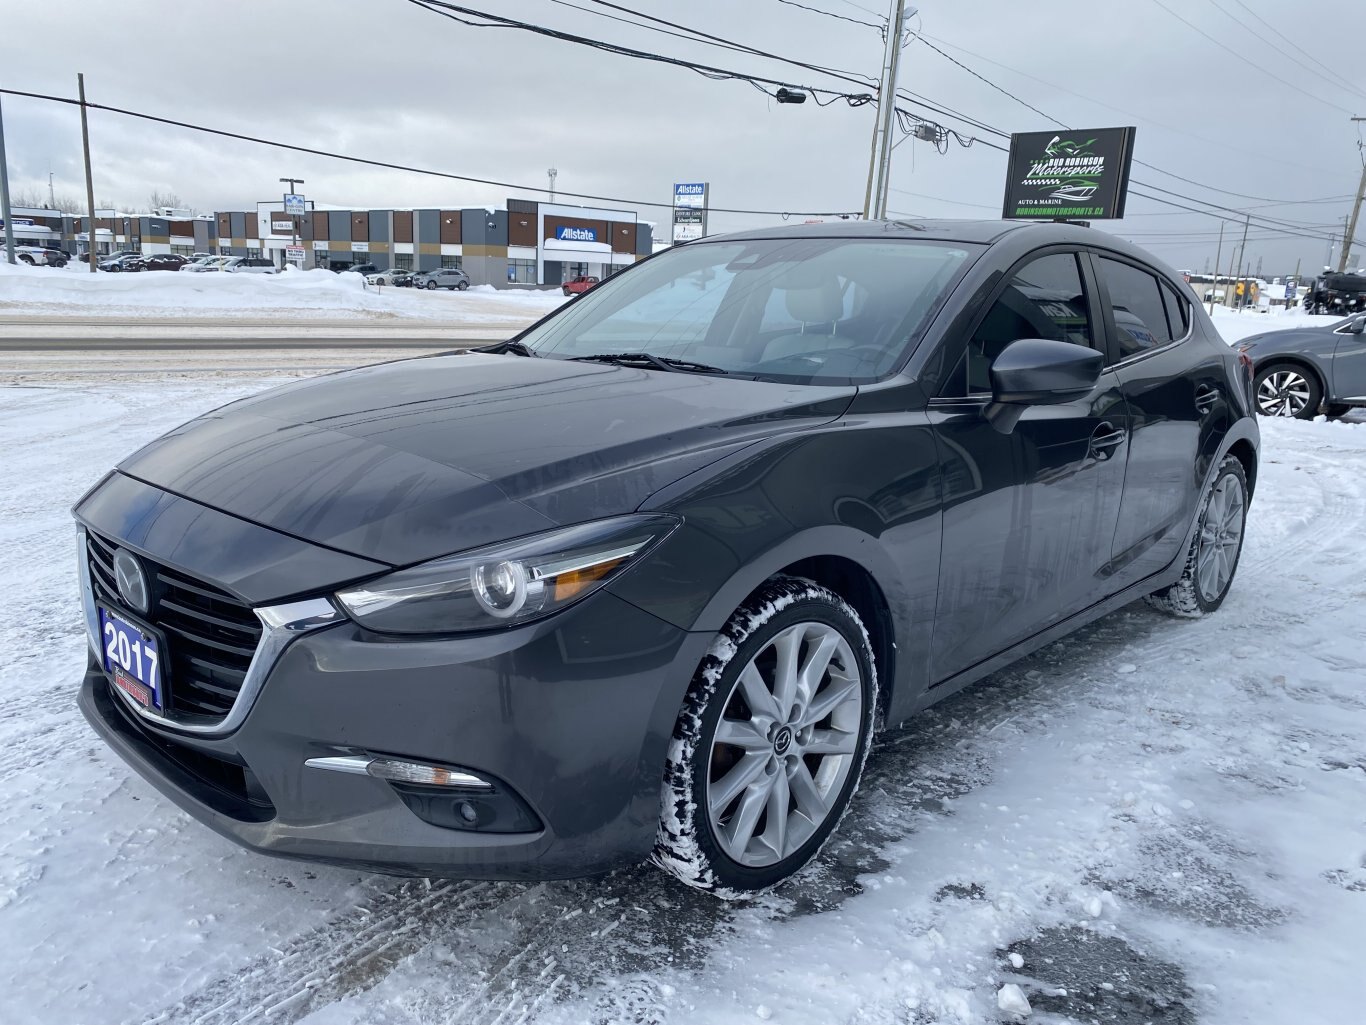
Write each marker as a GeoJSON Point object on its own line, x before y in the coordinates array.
{"type": "Point", "coordinates": [693, 194]}
{"type": "Point", "coordinates": [566, 234]}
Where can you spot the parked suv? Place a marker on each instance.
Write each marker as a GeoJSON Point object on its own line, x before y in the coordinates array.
{"type": "Point", "coordinates": [1337, 293]}
{"type": "Point", "coordinates": [799, 484]}
{"type": "Point", "coordinates": [1303, 371]}
{"type": "Point", "coordinates": [444, 277]}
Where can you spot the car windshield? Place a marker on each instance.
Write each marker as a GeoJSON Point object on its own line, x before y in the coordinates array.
{"type": "Point", "coordinates": [801, 310]}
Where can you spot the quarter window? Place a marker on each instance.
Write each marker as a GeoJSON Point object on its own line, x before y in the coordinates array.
{"type": "Point", "coordinates": [1044, 300]}
{"type": "Point", "coordinates": [1136, 298]}
{"type": "Point", "coordinates": [1178, 312]}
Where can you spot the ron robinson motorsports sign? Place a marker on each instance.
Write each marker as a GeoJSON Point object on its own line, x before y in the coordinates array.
{"type": "Point", "coordinates": [1069, 174]}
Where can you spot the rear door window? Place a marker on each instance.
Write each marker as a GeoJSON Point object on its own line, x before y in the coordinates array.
{"type": "Point", "coordinates": [1136, 301]}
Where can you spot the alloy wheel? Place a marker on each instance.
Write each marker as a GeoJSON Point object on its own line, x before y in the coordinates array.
{"type": "Point", "coordinates": [785, 744]}
{"type": "Point", "coordinates": [1221, 537]}
{"type": "Point", "coordinates": [1283, 393]}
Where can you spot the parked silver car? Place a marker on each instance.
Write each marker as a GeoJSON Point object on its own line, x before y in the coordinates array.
{"type": "Point", "coordinates": [443, 277]}
{"type": "Point", "coordinates": [249, 265]}
{"type": "Point", "coordinates": [1304, 370]}
{"type": "Point", "coordinates": [205, 264]}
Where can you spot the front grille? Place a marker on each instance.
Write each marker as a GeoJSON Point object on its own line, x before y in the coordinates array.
{"type": "Point", "coordinates": [211, 635]}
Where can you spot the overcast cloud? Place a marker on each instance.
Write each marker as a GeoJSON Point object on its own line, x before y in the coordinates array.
{"type": "Point", "coordinates": [387, 80]}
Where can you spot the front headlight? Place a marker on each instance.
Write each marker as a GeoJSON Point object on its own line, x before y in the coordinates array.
{"type": "Point", "coordinates": [505, 584]}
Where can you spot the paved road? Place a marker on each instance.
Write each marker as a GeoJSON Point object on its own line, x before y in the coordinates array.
{"type": "Point", "coordinates": [38, 349]}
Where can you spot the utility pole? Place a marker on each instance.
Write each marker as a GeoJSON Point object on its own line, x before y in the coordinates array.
{"type": "Point", "coordinates": [1242, 250]}
{"type": "Point", "coordinates": [880, 164]}
{"type": "Point", "coordinates": [551, 173]}
{"type": "Point", "coordinates": [89, 181]}
{"type": "Point", "coordinates": [1218, 255]}
{"type": "Point", "coordinates": [294, 184]}
{"type": "Point", "coordinates": [4, 195]}
{"type": "Point", "coordinates": [1356, 210]}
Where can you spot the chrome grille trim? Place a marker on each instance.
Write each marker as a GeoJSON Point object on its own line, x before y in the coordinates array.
{"type": "Point", "coordinates": [280, 624]}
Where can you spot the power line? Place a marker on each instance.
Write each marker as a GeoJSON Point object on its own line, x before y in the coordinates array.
{"type": "Point", "coordinates": [831, 14]}
{"type": "Point", "coordinates": [1143, 118]}
{"type": "Point", "coordinates": [1335, 81]}
{"type": "Point", "coordinates": [454, 12]}
{"type": "Point", "coordinates": [1056, 121]}
{"type": "Point", "coordinates": [1333, 72]}
{"type": "Point", "coordinates": [388, 165]}
{"type": "Point", "coordinates": [1252, 64]}
{"type": "Point", "coordinates": [722, 41]}
{"type": "Point", "coordinates": [999, 89]}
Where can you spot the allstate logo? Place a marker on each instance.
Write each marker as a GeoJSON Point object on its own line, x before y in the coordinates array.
{"type": "Point", "coordinates": [577, 235]}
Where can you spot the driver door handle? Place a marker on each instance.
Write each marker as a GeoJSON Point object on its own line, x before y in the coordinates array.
{"type": "Point", "coordinates": [1105, 439]}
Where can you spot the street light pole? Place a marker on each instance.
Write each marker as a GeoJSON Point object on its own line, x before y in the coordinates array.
{"type": "Point", "coordinates": [552, 173]}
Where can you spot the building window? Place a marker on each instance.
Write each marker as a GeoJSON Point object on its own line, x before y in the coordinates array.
{"type": "Point", "coordinates": [403, 261]}
{"type": "Point", "coordinates": [183, 250]}
{"type": "Point", "coordinates": [523, 272]}
{"type": "Point", "coordinates": [451, 261]}
{"type": "Point", "coordinates": [253, 253]}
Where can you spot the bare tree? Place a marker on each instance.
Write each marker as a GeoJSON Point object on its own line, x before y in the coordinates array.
{"type": "Point", "coordinates": [158, 200]}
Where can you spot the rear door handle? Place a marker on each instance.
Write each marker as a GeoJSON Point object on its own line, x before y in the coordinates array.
{"type": "Point", "coordinates": [1206, 396]}
{"type": "Point", "coordinates": [1105, 439]}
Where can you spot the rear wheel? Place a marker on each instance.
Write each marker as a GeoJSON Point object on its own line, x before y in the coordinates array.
{"type": "Point", "coordinates": [1287, 389]}
{"type": "Point", "coordinates": [770, 742]}
{"type": "Point", "coordinates": [1215, 550]}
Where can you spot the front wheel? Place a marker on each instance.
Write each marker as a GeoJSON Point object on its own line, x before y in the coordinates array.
{"type": "Point", "coordinates": [770, 742]}
{"type": "Point", "coordinates": [1286, 389]}
{"type": "Point", "coordinates": [463, 285]}
{"type": "Point", "coordinates": [431, 286]}
{"type": "Point", "coordinates": [1215, 550]}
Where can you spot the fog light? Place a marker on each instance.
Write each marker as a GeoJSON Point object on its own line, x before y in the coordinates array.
{"type": "Point", "coordinates": [468, 813]}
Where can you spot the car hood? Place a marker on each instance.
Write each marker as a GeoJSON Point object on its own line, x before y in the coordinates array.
{"type": "Point", "coordinates": [406, 461]}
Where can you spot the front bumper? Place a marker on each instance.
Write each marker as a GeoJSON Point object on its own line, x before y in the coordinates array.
{"type": "Point", "coordinates": [571, 716]}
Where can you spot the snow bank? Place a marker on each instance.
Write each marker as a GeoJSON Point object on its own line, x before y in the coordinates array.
{"type": "Point", "coordinates": [312, 293]}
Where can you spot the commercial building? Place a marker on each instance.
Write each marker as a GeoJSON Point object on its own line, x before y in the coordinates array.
{"type": "Point", "coordinates": [527, 243]}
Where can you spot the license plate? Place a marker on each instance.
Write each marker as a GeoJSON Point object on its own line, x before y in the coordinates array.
{"type": "Point", "coordinates": [132, 658]}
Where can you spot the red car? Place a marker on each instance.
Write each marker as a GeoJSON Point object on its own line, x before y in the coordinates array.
{"type": "Point", "coordinates": [580, 284]}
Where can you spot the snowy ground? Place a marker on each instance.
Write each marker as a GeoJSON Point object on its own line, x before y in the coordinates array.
{"type": "Point", "coordinates": [38, 291]}
{"type": "Point", "coordinates": [1151, 821]}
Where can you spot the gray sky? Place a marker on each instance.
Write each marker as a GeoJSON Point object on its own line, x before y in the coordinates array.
{"type": "Point", "coordinates": [387, 80]}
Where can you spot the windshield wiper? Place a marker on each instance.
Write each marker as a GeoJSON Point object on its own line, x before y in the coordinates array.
{"type": "Point", "coordinates": [668, 363]}
{"type": "Point", "coordinates": [511, 345]}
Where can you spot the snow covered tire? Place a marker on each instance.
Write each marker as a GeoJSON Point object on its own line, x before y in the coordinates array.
{"type": "Point", "coordinates": [1195, 595]}
{"type": "Point", "coordinates": [803, 752]}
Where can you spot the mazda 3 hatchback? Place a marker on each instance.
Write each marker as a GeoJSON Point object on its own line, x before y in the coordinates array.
{"type": "Point", "coordinates": [647, 580]}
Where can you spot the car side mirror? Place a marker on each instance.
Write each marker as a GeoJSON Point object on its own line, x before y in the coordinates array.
{"type": "Point", "coordinates": [1357, 326]}
{"type": "Point", "coordinates": [1039, 372]}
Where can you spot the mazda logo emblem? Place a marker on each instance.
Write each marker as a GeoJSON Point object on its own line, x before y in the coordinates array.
{"type": "Point", "coordinates": [131, 580]}
{"type": "Point", "coordinates": [782, 741]}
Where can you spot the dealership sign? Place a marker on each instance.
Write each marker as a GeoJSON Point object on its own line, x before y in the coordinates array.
{"type": "Point", "coordinates": [690, 211]}
{"type": "Point", "coordinates": [1071, 174]}
{"type": "Point", "coordinates": [281, 225]}
{"type": "Point", "coordinates": [567, 234]}
{"type": "Point", "coordinates": [295, 205]}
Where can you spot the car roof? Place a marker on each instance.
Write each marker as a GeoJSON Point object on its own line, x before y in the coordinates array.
{"type": "Point", "coordinates": [982, 232]}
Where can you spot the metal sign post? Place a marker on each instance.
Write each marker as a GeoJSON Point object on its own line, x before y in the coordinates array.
{"type": "Point", "coordinates": [4, 195]}
{"type": "Point", "coordinates": [295, 207]}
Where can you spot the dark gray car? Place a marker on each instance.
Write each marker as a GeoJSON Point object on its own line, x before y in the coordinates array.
{"type": "Point", "coordinates": [646, 580]}
{"type": "Point", "coordinates": [1305, 370]}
